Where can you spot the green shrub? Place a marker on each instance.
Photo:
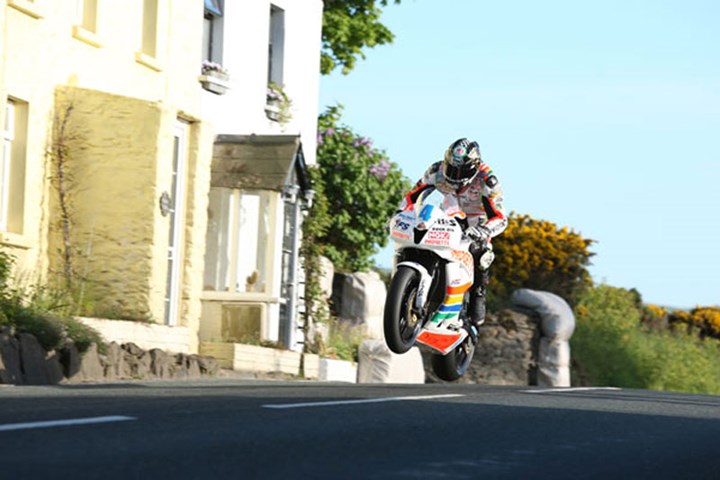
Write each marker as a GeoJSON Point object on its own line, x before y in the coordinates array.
{"type": "Point", "coordinates": [82, 335]}
{"type": "Point", "coordinates": [612, 347]}
{"type": "Point", "coordinates": [46, 327]}
{"type": "Point", "coordinates": [43, 312]}
{"type": "Point", "coordinates": [344, 341]}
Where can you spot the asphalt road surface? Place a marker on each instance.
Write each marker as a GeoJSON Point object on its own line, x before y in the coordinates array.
{"type": "Point", "coordinates": [233, 429]}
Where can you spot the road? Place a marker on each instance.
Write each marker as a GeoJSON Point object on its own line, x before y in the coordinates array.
{"type": "Point", "coordinates": [240, 429]}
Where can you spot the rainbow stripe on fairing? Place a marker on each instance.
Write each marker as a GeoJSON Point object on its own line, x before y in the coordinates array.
{"type": "Point", "coordinates": [452, 304]}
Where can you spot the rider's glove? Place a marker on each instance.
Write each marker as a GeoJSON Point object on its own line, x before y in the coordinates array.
{"type": "Point", "coordinates": [478, 233]}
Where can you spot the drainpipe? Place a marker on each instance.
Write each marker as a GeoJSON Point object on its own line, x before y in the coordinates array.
{"type": "Point", "coordinates": [292, 197]}
{"type": "Point", "coordinates": [299, 203]}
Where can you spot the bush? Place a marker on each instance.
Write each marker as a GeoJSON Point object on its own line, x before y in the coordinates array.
{"type": "Point", "coordinates": [702, 321]}
{"type": "Point", "coordinates": [537, 254]}
{"type": "Point", "coordinates": [361, 190]}
{"type": "Point", "coordinates": [47, 328]}
{"type": "Point", "coordinates": [41, 313]}
{"type": "Point", "coordinates": [343, 342]}
{"type": "Point", "coordinates": [612, 347]}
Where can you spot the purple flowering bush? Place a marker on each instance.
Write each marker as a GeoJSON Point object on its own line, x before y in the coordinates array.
{"type": "Point", "coordinates": [360, 189]}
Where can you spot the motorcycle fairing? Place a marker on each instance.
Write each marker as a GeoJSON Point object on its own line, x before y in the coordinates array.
{"type": "Point", "coordinates": [442, 341]}
{"type": "Point", "coordinates": [444, 332]}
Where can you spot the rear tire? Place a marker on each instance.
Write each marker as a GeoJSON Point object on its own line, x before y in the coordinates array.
{"type": "Point", "coordinates": [400, 322]}
{"type": "Point", "coordinates": [452, 366]}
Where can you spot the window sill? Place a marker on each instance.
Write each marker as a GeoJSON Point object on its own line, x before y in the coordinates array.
{"type": "Point", "coordinates": [213, 296]}
{"type": "Point", "coordinates": [27, 7]}
{"type": "Point", "coordinates": [86, 36]}
{"type": "Point", "coordinates": [15, 240]}
{"type": "Point", "coordinates": [148, 61]}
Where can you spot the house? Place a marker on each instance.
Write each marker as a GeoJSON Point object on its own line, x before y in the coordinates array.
{"type": "Point", "coordinates": [156, 189]}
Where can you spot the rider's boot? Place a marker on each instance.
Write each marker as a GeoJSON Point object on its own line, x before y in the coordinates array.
{"type": "Point", "coordinates": [477, 307]}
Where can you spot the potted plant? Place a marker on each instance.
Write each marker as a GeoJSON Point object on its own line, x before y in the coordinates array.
{"type": "Point", "coordinates": [277, 103]}
{"type": "Point", "coordinates": [214, 77]}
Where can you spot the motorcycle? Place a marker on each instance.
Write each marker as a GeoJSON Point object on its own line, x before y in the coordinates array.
{"type": "Point", "coordinates": [427, 300]}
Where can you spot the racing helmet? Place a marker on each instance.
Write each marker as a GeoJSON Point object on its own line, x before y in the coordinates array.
{"type": "Point", "coordinates": [461, 162]}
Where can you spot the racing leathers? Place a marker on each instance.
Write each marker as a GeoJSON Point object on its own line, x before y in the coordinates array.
{"type": "Point", "coordinates": [482, 202]}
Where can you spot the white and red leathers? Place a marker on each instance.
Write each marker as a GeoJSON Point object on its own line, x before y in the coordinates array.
{"type": "Point", "coordinates": [481, 200]}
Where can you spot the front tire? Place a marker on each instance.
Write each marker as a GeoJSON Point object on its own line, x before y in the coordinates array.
{"type": "Point", "coordinates": [401, 321]}
{"type": "Point", "coordinates": [452, 366]}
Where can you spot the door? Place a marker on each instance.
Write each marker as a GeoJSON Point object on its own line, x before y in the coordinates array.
{"type": "Point", "coordinates": [177, 223]}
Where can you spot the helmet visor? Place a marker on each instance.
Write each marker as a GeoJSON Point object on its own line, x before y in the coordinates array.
{"type": "Point", "coordinates": [460, 174]}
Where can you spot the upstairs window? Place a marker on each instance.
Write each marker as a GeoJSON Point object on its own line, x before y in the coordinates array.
{"type": "Point", "coordinates": [87, 15]}
{"type": "Point", "coordinates": [149, 53]}
{"type": "Point", "coordinates": [86, 27]}
{"type": "Point", "coordinates": [148, 44]}
{"type": "Point", "coordinates": [12, 167]}
{"type": "Point", "coordinates": [276, 46]}
{"type": "Point", "coordinates": [212, 31]}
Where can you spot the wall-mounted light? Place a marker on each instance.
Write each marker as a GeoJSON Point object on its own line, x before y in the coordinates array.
{"type": "Point", "coordinates": [309, 195]}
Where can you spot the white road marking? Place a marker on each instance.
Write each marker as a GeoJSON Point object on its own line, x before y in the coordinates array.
{"type": "Point", "coordinates": [570, 389]}
{"type": "Point", "coordinates": [63, 423]}
{"type": "Point", "coordinates": [357, 402]}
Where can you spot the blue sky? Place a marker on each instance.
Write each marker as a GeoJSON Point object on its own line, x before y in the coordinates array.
{"type": "Point", "coordinates": [600, 116]}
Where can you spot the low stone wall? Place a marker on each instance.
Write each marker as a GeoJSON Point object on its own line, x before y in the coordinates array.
{"type": "Point", "coordinates": [506, 353]}
{"type": "Point", "coordinates": [145, 335]}
{"type": "Point", "coordinates": [23, 361]}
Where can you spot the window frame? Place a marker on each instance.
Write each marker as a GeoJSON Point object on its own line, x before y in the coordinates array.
{"type": "Point", "coordinates": [150, 48]}
{"type": "Point", "coordinates": [226, 278]}
{"type": "Point", "coordinates": [86, 28]}
{"type": "Point", "coordinates": [213, 25]}
{"type": "Point", "coordinates": [13, 174]}
{"type": "Point", "coordinates": [276, 45]}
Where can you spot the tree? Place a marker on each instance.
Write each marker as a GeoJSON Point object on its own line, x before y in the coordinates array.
{"type": "Point", "coordinates": [348, 27]}
{"type": "Point", "coordinates": [361, 190]}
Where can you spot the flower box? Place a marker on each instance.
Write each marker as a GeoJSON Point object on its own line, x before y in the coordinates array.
{"type": "Point", "coordinates": [214, 78]}
{"type": "Point", "coordinates": [215, 83]}
{"type": "Point", "coordinates": [272, 110]}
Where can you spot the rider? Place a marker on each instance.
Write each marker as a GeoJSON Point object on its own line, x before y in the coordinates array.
{"type": "Point", "coordinates": [463, 173]}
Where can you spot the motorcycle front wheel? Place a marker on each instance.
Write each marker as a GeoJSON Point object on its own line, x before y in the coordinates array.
{"type": "Point", "coordinates": [401, 322]}
{"type": "Point", "coordinates": [453, 365]}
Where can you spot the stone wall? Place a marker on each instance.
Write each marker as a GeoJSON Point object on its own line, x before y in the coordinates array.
{"type": "Point", "coordinates": [506, 353]}
{"type": "Point", "coordinates": [23, 361]}
{"type": "Point", "coordinates": [508, 345]}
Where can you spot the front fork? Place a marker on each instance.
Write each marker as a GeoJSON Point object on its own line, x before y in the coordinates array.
{"type": "Point", "coordinates": [423, 288]}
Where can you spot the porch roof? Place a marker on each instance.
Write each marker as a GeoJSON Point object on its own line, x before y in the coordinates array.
{"type": "Point", "coordinates": [258, 162]}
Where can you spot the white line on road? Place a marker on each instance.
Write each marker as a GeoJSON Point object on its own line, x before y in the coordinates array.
{"type": "Point", "coordinates": [63, 423]}
{"type": "Point", "coordinates": [357, 402]}
{"type": "Point", "coordinates": [572, 389]}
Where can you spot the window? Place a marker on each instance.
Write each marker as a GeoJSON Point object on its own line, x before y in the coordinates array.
{"type": "Point", "coordinates": [12, 167]}
{"type": "Point", "coordinates": [87, 15]}
{"type": "Point", "coordinates": [148, 55]}
{"type": "Point", "coordinates": [277, 45]}
{"type": "Point", "coordinates": [238, 235]}
{"type": "Point", "coordinates": [212, 31]}
{"type": "Point", "coordinates": [86, 27]}
{"type": "Point", "coordinates": [148, 44]}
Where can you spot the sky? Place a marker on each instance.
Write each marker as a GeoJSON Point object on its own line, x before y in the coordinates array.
{"type": "Point", "coordinates": [600, 116]}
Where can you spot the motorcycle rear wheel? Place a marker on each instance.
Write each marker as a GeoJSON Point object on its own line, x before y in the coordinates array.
{"type": "Point", "coordinates": [453, 365]}
{"type": "Point", "coordinates": [401, 323]}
